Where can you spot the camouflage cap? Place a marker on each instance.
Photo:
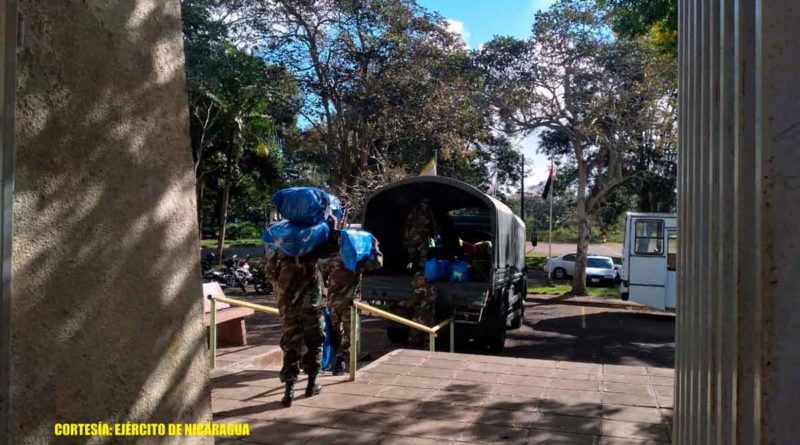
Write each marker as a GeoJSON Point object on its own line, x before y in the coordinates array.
{"type": "Point", "coordinates": [417, 277]}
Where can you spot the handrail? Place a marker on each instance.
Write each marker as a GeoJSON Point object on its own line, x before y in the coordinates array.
{"type": "Point", "coordinates": [396, 318]}
{"type": "Point", "coordinates": [355, 334]}
{"type": "Point", "coordinates": [256, 307]}
{"type": "Point", "coordinates": [212, 325]}
{"type": "Point", "coordinates": [440, 325]}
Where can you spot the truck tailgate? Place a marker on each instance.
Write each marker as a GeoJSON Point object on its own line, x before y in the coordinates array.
{"type": "Point", "coordinates": [398, 288]}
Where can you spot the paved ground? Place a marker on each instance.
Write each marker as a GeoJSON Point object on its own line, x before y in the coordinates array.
{"type": "Point", "coordinates": [414, 397]}
{"type": "Point", "coordinates": [591, 334]}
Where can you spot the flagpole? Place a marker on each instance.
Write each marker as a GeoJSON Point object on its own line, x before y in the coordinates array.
{"type": "Point", "coordinates": [550, 234]}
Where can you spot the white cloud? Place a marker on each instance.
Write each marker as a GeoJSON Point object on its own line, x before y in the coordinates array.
{"type": "Point", "coordinates": [457, 27]}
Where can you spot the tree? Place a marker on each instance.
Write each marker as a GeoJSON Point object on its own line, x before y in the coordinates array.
{"type": "Point", "coordinates": [587, 90]}
{"type": "Point", "coordinates": [386, 86]}
{"type": "Point", "coordinates": [238, 106]}
{"type": "Point", "coordinates": [655, 19]}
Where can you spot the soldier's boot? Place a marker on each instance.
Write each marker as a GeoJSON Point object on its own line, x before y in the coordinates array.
{"type": "Point", "coordinates": [288, 394]}
{"type": "Point", "coordinates": [338, 366]}
{"type": "Point", "coordinates": [313, 388]}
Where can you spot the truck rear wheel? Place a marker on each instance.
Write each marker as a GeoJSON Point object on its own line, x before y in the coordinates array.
{"type": "Point", "coordinates": [397, 333]}
{"type": "Point", "coordinates": [496, 340]}
{"type": "Point", "coordinates": [518, 308]}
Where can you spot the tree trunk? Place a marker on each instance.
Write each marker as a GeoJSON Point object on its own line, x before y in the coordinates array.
{"type": "Point", "coordinates": [584, 229]}
{"type": "Point", "coordinates": [200, 188]}
{"type": "Point", "coordinates": [223, 206]}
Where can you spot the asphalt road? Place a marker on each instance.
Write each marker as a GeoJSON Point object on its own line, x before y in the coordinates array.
{"type": "Point", "coordinates": [598, 335]}
{"type": "Point", "coordinates": [574, 333]}
{"type": "Point", "coordinates": [607, 249]}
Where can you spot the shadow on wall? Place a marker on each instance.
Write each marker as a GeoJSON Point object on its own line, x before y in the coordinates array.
{"type": "Point", "coordinates": [106, 317]}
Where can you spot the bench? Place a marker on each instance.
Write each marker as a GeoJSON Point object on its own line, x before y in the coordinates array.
{"type": "Point", "coordinates": [231, 330]}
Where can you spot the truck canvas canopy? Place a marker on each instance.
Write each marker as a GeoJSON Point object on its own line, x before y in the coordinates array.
{"type": "Point", "coordinates": [453, 202]}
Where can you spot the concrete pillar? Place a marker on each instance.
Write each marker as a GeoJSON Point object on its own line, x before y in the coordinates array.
{"type": "Point", "coordinates": [738, 318]}
{"type": "Point", "coordinates": [106, 316]}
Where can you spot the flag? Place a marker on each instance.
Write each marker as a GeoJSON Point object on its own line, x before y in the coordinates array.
{"type": "Point", "coordinates": [430, 168]}
{"type": "Point", "coordinates": [492, 190]}
{"type": "Point", "coordinates": [548, 185]}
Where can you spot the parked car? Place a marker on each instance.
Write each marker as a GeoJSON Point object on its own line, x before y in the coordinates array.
{"type": "Point", "coordinates": [600, 270]}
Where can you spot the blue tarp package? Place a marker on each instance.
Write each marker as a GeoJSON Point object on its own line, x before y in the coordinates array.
{"type": "Point", "coordinates": [295, 239]}
{"type": "Point", "coordinates": [356, 245]}
{"type": "Point", "coordinates": [327, 347]}
{"type": "Point", "coordinates": [460, 272]}
{"type": "Point", "coordinates": [336, 207]}
{"type": "Point", "coordinates": [306, 205]}
{"type": "Point", "coordinates": [437, 270]}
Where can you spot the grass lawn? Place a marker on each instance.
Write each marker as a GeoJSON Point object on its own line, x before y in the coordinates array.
{"type": "Point", "coordinates": [562, 288]}
{"type": "Point", "coordinates": [535, 260]}
{"type": "Point", "coordinates": [212, 243]}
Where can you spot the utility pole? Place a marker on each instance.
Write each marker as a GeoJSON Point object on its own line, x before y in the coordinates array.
{"type": "Point", "coordinates": [522, 191]}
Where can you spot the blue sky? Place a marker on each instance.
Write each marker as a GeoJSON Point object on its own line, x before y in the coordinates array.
{"type": "Point", "coordinates": [478, 21]}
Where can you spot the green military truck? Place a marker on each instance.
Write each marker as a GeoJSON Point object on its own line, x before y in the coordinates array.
{"type": "Point", "coordinates": [473, 227]}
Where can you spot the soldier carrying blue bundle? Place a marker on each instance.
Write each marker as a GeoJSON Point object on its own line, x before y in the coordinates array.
{"type": "Point", "coordinates": [343, 288]}
{"type": "Point", "coordinates": [298, 283]}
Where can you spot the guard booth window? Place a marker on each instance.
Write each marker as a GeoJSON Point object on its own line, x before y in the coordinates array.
{"type": "Point", "coordinates": [672, 252]}
{"type": "Point", "coordinates": [649, 238]}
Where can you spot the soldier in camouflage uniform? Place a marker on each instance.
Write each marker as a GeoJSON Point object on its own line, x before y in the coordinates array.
{"type": "Point", "coordinates": [420, 227]}
{"type": "Point", "coordinates": [298, 285]}
{"type": "Point", "coordinates": [423, 306]}
{"type": "Point", "coordinates": [342, 290]}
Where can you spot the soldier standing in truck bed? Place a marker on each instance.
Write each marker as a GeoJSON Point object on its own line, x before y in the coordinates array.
{"type": "Point", "coordinates": [298, 285]}
{"type": "Point", "coordinates": [423, 306]}
{"type": "Point", "coordinates": [420, 227]}
{"type": "Point", "coordinates": [343, 289]}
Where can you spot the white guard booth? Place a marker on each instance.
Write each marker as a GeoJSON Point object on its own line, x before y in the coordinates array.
{"type": "Point", "coordinates": [649, 259]}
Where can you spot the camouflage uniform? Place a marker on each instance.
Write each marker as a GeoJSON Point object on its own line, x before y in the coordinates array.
{"type": "Point", "coordinates": [419, 228]}
{"type": "Point", "coordinates": [423, 305]}
{"type": "Point", "coordinates": [298, 286]}
{"type": "Point", "coordinates": [343, 288]}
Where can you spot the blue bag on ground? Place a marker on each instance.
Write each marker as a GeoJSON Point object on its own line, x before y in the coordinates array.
{"type": "Point", "coordinates": [327, 349]}
{"type": "Point", "coordinates": [460, 272]}
{"type": "Point", "coordinates": [295, 239]}
{"type": "Point", "coordinates": [356, 245]}
{"type": "Point", "coordinates": [437, 270]}
{"type": "Point", "coordinates": [306, 205]}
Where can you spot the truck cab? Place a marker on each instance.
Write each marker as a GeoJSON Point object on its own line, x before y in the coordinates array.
{"type": "Point", "coordinates": [474, 227]}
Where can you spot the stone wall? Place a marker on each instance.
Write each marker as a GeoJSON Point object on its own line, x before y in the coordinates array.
{"type": "Point", "coordinates": [106, 308]}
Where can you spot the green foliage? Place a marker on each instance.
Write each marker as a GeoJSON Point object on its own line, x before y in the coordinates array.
{"type": "Point", "coordinates": [655, 19]}
{"type": "Point", "coordinates": [243, 229]}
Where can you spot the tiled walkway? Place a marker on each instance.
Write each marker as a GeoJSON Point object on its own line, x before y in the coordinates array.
{"type": "Point", "coordinates": [415, 397]}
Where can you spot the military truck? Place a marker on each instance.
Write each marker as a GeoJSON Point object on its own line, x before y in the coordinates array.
{"type": "Point", "coordinates": [473, 227]}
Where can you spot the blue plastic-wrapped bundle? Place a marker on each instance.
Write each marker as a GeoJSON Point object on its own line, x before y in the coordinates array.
{"type": "Point", "coordinates": [327, 347]}
{"type": "Point", "coordinates": [356, 245]}
{"type": "Point", "coordinates": [336, 207]}
{"type": "Point", "coordinates": [437, 270]}
{"type": "Point", "coordinates": [459, 272]}
{"type": "Point", "coordinates": [295, 239]}
{"type": "Point", "coordinates": [306, 205]}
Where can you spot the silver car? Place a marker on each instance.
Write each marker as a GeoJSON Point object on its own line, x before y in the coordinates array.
{"type": "Point", "coordinates": [599, 269]}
